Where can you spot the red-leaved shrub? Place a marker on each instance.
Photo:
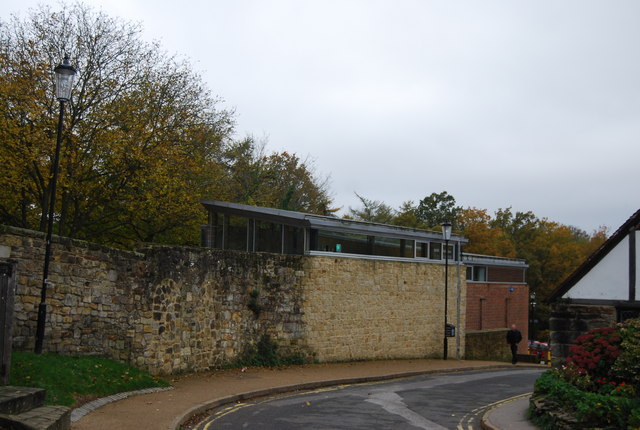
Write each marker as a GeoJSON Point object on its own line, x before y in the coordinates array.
{"type": "Point", "coordinates": [595, 352]}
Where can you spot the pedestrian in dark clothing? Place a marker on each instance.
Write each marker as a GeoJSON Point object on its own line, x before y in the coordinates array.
{"type": "Point", "coordinates": [513, 338]}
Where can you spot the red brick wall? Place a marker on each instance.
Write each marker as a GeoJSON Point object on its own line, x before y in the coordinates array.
{"type": "Point", "coordinates": [505, 274]}
{"type": "Point", "coordinates": [491, 306]}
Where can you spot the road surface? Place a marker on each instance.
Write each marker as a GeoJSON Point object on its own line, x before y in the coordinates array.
{"type": "Point", "coordinates": [446, 401]}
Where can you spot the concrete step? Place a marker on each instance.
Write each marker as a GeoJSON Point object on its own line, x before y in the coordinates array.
{"type": "Point", "coordinates": [41, 418]}
{"type": "Point", "coordinates": [15, 400]}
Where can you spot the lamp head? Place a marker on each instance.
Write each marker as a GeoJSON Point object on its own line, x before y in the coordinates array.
{"type": "Point", "coordinates": [65, 74]}
{"type": "Point", "coordinates": [446, 230]}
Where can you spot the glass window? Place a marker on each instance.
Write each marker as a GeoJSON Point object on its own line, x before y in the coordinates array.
{"type": "Point", "coordinates": [406, 248]}
{"type": "Point", "coordinates": [217, 233]}
{"type": "Point", "coordinates": [477, 273]}
{"type": "Point", "coordinates": [350, 243]}
{"type": "Point", "coordinates": [450, 252]}
{"type": "Point", "coordinates": [480, 273]}
{"type": "Point", "coordinates": [422, 249]}
{"type": "Point", "coordinates": [390, 247]}
{"type": "Point", "coordinates": [293, 240]}
{"type": "Point", "coordinates": [236, 233]}
{"type": "Point", "coordinates": [435, 251]}
{"type": "Point", "coordinates": [268, 237]}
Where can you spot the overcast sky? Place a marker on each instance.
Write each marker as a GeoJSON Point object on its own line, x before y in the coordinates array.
{"type": "Point", "coordinates": [529, 104]}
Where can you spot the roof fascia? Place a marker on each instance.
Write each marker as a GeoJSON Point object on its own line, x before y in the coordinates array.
{"type": "Point", "coordinates": [264, 214]}
{"type": "Point", "coordinates": [373, 229]}
{"type": "Point", "coordinates": [489, 260]}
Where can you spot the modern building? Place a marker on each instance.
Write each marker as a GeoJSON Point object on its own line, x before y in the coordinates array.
{"type": "Point", "coordinates": [234, 226]}
{"type": "Point", "coordinates": [495, 289]}
{"type": "Point", "coordinates": [497, 294]}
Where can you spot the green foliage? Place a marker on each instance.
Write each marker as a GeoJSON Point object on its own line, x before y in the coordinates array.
{"type": "Point", "coordinates": [407, 216]}
{"type": "Point", "coordinates": [144, 141]}
{"type": "Point", "coordinates": [140, 137]}
{"type": "Point", "coordinates": [372, 211]}
{"type": "Point", "coordinates": [599, 384]}
{"type": "Point", "coordinates": [265, 354]}
{"type": "Point", "coordinates": [69, 380]}
{"type": "Point", "coordinates": [627, 365]}
{"type": "Point", "coordinates": [278, 180]}
{"type": "Point", "coordinates": [437, 208]}
{"type": "Point", "coordinates": [589, 408]}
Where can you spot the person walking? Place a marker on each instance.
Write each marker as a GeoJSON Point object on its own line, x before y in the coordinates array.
{"type": "Point", "coordinates": [513, 338]}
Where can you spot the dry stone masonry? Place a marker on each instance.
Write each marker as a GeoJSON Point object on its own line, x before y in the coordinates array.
{"type": "Point", "coordinates": [173, 309]}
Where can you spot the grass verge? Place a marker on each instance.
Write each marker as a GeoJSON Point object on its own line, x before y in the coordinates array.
{"type": "Point", "coordinates": [72, 381]}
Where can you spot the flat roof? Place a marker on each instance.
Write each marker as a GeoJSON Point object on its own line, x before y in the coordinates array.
{"type": "Point", "coordinates": [490, 260]}
{"type": "Point", "coordinates": [325, 222]}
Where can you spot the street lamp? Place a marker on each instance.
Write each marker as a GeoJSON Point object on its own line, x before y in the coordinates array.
{"type": "Point", "coordinates": [446, 234]}
{"type": "Point", "coordinates": [65, 74]}
{"type": "Point", "coordinates": [532, 317]}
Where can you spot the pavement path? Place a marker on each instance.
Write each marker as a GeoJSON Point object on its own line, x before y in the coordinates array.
{"type": "Point", "coordinates": [195, 393]}
{"type": "Point", "coordinates": [510, 414]}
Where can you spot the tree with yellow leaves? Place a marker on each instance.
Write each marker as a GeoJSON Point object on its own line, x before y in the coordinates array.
{"type": "Point", "coordinates": [144, 141]}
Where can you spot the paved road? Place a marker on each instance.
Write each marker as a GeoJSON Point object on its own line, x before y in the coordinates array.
{"type": "Point", "coordinates": [448, 401]}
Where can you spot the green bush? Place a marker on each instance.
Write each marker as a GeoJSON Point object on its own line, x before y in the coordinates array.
{"type": "Point", "coordinates": [265, 353]}
{"type": "Point", "coordinates": [627, 366]}
{"type": "Point", "coordinates": [598, 386]}
{"type": "Point", "coordinates": [590, 409]}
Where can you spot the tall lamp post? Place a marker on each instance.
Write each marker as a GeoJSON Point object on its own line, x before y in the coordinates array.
{"type": "Point", "coordinates": [65, 74]}
{"type": "Point", "coordinates": [446, 234]}
{"type": "Point", "coordinates": [532, 317]}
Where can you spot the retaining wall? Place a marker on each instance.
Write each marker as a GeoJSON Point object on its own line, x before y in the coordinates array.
{"type": "Point", "coordinates": [171, 309]}
{"type": "Point", "coordinates": [489, 345]}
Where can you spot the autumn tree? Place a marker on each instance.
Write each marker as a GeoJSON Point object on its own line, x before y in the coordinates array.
{"type": "Point", "coordinates": [437, 208]}
{"type": "Point", "coordinates": [141, 138]}
{"type": "Point", "coordinates": [144, 140]}
{"type": "Point", "coordinates": [280, 180]}
{"type": "Point", "coordinates": [407, 216]}
{"type": "Point", "coordinates": [475, 225]}
{"type": "Point", "coordinates": [372, 211]}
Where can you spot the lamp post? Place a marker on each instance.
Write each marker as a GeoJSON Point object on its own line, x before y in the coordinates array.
{"type": "Point", "coordinates": [446, 234]}
{"type": "Point", "coordinates": [65, 74]}
{"type": "Point", "coordinates": [532, 317]}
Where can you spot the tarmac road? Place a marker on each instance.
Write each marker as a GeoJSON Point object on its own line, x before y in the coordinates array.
{"type": "Point", "coordinates": [443, 401]}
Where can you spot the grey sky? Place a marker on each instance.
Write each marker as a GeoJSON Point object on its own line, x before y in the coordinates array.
{"type": "Point", "coordinates": [528, 104]}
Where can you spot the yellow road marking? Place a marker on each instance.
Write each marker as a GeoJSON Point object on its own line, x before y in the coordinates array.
{"type": "Point", "coordinates": [236, 407]}
{"type": "Point", "coordinates": [470, 416]}
{"type": "Point", "coordinates": [226, 411]}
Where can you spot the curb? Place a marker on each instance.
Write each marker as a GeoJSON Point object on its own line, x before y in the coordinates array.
{"type": "Point", "coordinates": [214, 403]}
{"type": "Point", "coordinates": [485, 423]}
{"type": "Point", "coordinates": [83, 410]}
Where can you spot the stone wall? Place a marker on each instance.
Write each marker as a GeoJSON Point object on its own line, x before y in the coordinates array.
{"type": "Point", "coordinates": [488, 345]}
{"type": "Point", "coordinates": [364, 309]}
{"type": "Point", "coordinates": [568, 321]}
{"type": "Point", "coordinates": [169, 309]}
{"type": "Point", "coordinates": [163, 309]}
